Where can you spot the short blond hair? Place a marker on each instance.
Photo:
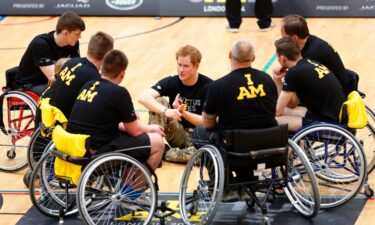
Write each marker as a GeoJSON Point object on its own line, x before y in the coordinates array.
{"type": "Point", "coordinates": [58, 66]}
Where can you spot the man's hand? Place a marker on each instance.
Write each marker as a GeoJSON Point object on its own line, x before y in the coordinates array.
{"type": "Point", "coordinates": [154, 128]}
{"type": "Point", "coordinates": [279, 73]}
{"type": "Point", "coordinates": [177, 102]}
{"type": "Point", "coordinates": [173, 113]}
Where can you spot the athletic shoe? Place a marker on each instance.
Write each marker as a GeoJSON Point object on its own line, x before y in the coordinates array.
{"type": "Point", "coordinates": [264, 29]}
{"type": "Point", "coordinates": [232, 29]}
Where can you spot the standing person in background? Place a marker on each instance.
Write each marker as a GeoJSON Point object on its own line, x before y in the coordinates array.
{"type": "Point", "coordinates": [263, 11]}
{"type": "Point", "coordinates": [37, 63]}
{"type": "Point", "coordinates": [187, 93]}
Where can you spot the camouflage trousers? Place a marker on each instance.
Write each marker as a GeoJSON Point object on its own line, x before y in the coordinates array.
{"type": "Point", "coordinates": [179, 138]}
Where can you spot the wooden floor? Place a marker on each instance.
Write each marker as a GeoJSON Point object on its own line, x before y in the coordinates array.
{"type": "Point", "coordinates": [150, 44]}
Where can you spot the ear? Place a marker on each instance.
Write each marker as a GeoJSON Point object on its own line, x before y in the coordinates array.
{"type": "Point", "coordinates": [253, 59]}
{"type": "Point", "coordinates": [230, 55]}
{"type": "Point", "coordinates": [196, 66]}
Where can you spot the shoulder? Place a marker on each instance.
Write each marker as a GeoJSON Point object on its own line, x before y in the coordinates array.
{"type": "Point", "coordinates": [205, 79]}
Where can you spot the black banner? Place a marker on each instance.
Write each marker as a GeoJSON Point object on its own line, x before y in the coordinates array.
{"type": "Point", "coordinates": [205, 8]}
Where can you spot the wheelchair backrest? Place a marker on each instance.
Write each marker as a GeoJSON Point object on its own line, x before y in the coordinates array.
{"type": "Point", "coordinates": [241, 141]}
{"type": "Point", "coordinates": [70, 146]}
{"type": "Point", "coordinates": [258, 148]}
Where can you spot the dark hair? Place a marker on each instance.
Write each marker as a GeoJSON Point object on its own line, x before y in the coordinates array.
{"type": "Point", "coordinates": [295, 25]}
{"type": "Point", "coordinates": [193, 52]}
{"type": "Point", "coordinates": [100, 43]}
{"type": "Point", "coordinates": [287, 47]}
{"type": "Point", "coordinates": [114, 62]}
{"type": "Point", "coordinates": [70, 21]}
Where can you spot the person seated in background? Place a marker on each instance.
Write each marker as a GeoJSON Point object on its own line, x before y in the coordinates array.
{"type": "Point", "coordinates": [78, 71]}
{"type": "Point", "coordinates": [243, 99]}
{"type": "Point", "coordinates": [49, 92]}
{"type": "Point", "coordinates": [104, 110]}
{"type": "Point", "coordinates": [307, 82]}
{"type": "Point", "coordinates": [186, 92]}
{"type": "Point", "coordinates": [37, 63]}
{"type": "Point", "coordinates": [317, 49]}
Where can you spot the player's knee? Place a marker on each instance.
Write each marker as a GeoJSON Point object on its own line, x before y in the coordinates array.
{"type": "Point", "coordinates": [157, 143]}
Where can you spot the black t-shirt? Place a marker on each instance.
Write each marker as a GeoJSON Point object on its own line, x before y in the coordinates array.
{"type": "Point", "coordinates": [73, 75]}
{"type": "Point", "coordinates": [244, 99]}
{"type": "Point", "coordinates": [322, 52]}
{"type": "Point", "coordinates": [99, 108]}
{"type": "Point", "coordinates": [193, 96]}
{"type": "Point", "coordinates": [42, 47]}
{"type": "Point", "coordinates": [317, 88]}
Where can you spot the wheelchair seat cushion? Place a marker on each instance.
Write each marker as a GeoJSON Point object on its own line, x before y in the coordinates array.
{"type": "Point", "coordinates": [74, 145]}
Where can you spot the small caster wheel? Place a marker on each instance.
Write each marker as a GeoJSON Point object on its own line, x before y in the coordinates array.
{"type": "Point", "coordinates": [250, 204]}
{"type": "Point", "coordinates": [11, 154]}
{"type": "Point", "coordinates": [26, 178]}
{"type": "Point", "coordinates": [162, 221]}
{"type": "Point", "coordinates": [369, 192]}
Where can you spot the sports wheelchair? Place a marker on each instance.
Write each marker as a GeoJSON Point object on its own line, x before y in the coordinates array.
{"type": "Point", "coordinates": [207, 174]}
{"type": "Point", "coordinates": [16, 124]}
{"type": "Point", "coordinates": [112, 187]}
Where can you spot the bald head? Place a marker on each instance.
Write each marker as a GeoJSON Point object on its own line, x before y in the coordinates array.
{"type": "Point", "coordinates": [243, 51]}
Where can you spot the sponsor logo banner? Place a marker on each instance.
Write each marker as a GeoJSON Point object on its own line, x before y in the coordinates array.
{"type": "Point", "coordinates": [309, 8]}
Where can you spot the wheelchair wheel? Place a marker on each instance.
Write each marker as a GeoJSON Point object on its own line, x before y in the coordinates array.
{"type": "Point", "coordinates": [202, 186]}
{"type": "Point", "coordinates": [114, 188]}
{"type": "Point", "coordinates": [366, 137]}
{"type": "Point", "coordinates": [302, 189]}
{"type": "Point", "coordinates": [338, 161]}
{"type": "Point", "coordinates": [18, 112]}
{"type": "Point", "coordinates": [36, 147]}
{"type": "Point", "coordinates": [47, 192]}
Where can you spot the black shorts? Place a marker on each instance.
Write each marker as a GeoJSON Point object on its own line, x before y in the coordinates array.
{"type": "Point", "coordinates": [311, 118]}
{"type": "Point", "coordinates": [137, 147]}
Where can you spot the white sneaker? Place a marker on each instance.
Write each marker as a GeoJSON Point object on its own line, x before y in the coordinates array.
{"type": "Point", "coordinates": [272, 25]}
{"type": "Point", "coordinates": [232, 29]}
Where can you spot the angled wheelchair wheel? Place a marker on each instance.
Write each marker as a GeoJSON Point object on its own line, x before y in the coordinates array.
{"type": "Point", "coordinates": [337, 159]}
{"type": "Point", "coordinates": [36, 147]}
{"type": "Point", "coordinates": [47, 192]}
{"type": "Point", "coordinates": [302, 189]}
{"type": "Point", "coordinates": [366, 137]}
{"type": "Point", "coordinates": [18, 112]}
{"type": "Point", "coordinates": [202, 186]}
{"type": "Point", "coordinates": [115, 187]}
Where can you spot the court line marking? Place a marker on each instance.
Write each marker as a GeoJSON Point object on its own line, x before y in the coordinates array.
{"type": "Point", "coordinates": [269, 63]}
{"type": "Point", "coordinates": [29, 22]}
{"type": "Point", "coordinates": [115, 38]}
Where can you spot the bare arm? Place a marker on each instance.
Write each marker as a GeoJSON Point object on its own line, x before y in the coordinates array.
{"type": "Point", "coordinates": [209, 121]}
{"type": "Point", "coordinates": [148, 99]}
{"type": "Point", "coordinates": [49, 71]}
{"type": "Point", "coordinates": [285, 99]}
{"type": "Point", "coordinates": [193, 118]}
